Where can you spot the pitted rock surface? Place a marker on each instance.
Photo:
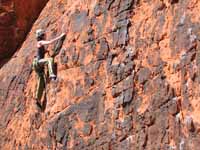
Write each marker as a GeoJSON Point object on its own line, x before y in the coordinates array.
{"type": "Point", "coordinates": [128, 79]}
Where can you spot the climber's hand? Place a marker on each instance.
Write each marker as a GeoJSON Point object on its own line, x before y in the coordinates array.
{"type": "Point", "coordinates": [63, 34]}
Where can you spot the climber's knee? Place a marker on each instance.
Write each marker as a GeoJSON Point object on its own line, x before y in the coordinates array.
{"type": "Point", "coordinates": [35, 63]}
{"type": "Point", "coordinates": [50, 60]}
{"type": "Point", "coordinates": [36, 66]}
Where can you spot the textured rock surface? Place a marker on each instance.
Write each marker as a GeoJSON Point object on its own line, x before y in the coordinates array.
{"type": "Point", "coordinates": [128, 78]}
{"type": "Point", "coordinates": [16, 18]}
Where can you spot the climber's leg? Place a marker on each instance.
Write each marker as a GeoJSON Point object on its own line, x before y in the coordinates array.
{"type": "Point", "coordinates": [38, 67]}
{"type": "Point", "coordinates": [41, 80]}
{"type": "Point", "coordinates": [40, 88]}
{"type": "Point", "coordinates": [50, 63]}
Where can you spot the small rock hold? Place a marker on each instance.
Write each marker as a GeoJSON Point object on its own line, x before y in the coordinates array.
{"type": "Point", "coordinates": [87, 129]}
{"type": "Point", "coordinates": [88, 82]}
{"type": "Point", "coordinates": [128, 95]}
{"type": "Point", "coordinates": [98, 10]}
{"type": "Point", "coordinates": [143, 75]}
{"type": "Point", "coordinates": [119, 99]}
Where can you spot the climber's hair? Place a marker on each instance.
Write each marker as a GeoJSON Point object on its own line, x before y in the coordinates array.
{"type": "Point", "coordinates": [39, 38]}
{"type": "Point", "coordinates": [40, 33]}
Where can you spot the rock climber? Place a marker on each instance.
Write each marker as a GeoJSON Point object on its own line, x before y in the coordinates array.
{"type": "Point", "coordinates": [39, 62]}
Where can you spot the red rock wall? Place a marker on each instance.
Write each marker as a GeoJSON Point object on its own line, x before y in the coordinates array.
{"type": "Point", "coordinates": [16, 18]}
{"type": "Point", "coordinates": [128, 79]}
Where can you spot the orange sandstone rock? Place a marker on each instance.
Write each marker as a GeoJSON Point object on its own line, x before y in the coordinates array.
{"type": "Point", "coordinates": [128, 79]}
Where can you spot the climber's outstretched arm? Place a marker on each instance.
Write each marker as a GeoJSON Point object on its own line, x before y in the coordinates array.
{"type": "Point", "coordinates": [45, 42]}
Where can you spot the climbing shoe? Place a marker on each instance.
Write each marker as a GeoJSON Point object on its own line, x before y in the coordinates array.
{"type": "Point", "coordinates": [52, 77]}
{"type": "Point", "coordinates": [39, 105]}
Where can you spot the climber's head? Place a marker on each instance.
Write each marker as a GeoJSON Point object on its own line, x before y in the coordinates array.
{"type": "Point", "coordinates": [40, 34]}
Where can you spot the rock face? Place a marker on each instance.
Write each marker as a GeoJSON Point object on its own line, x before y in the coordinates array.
{"type": "Point", "coordinates": [128, 78]}
{"type": "Point", "coordinates": [16, 18]}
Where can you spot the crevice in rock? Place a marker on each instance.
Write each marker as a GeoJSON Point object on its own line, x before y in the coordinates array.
{"type": "Point", "coordinates": [16, 20]}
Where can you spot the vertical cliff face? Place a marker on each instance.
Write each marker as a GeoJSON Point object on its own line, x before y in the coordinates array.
{"type": "Point", "coordinates": [16, 18]}
{"type": "Point", "coordinates": [128, 78]}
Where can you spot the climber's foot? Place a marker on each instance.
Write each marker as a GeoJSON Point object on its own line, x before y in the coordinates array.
{"type": "Point", "coordinates": [52, 77]}
{"type": "Point", "coordinates": [39, 105]}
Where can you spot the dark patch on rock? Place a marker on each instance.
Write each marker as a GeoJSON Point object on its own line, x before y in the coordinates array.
{"type": "Point", "coordinates": [124, 17]}
{"type": "Point", "coordinates": [88, 81]}
{"type": "Point", "coordinates": [79, 20]}
{"type": "Point", "coordinates": [88, 108]}
{"type": "Point", "coordinates": [63, 57]}
{"type": "Point", "coordinates": [127, 123]}
{"type": "Point", "coordinates": [173, 1]}
{"type": "Point", "coordinates": [122, 86]}
{"type": "Point", "coordinates": [98, 10]}
{"type": "Point", "coordinates": [119, 72]}
{"type": "Point", "coordinates": [61, 129]}
{"type": "Point", "coordinates": [87, 129]}
{"type": "Point", "coordinates": [143, 75]}
{"type": "Point", "coordinates": [102, 129]}
{"type": "Point", "coordinates": [125, 97]}
{"type": "Point", "coordinates": [78, 90]}
{"type": "Point", "coordinates": [83, 53]}
{"type": "Point", "coordinates": [164, 93]}
{"type": "Point", "coordinates": [159, 6]}
{"type": "Point", "coordinates": [90, 36]}
{"type": "Point", "coordinates": [127, 4]}
{"type": "Point", "coordinates": [128, 96]}
{"type": "Point", "coordinates": [103, 51]}
{"type": "Point", "coordinates": [123, 36]}
{"type": "Point", "coordinates": [109, 3]}
{"type": "Point", "coordinates": [149, 118]}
